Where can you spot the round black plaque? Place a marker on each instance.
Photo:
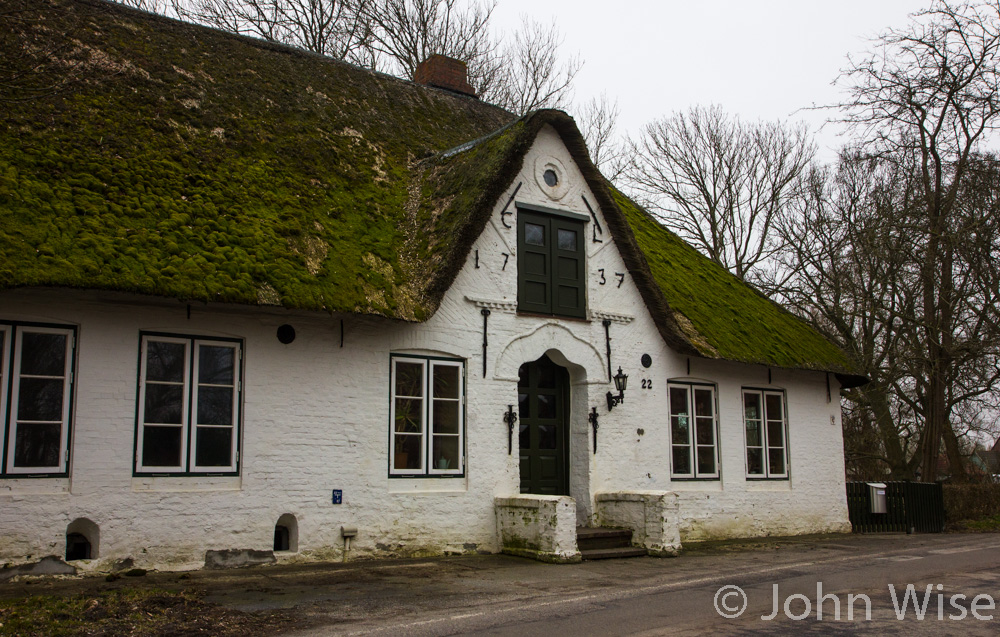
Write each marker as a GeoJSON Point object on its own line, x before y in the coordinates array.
{"type": "Point", "coordinates": [286, 333]}
{"type": "Point", "coordinates": [647, 360]}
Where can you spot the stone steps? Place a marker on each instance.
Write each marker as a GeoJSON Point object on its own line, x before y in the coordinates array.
{"type": "Point", "coordinates": [595, 543]}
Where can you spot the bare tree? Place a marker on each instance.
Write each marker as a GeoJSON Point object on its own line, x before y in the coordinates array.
{"type": "Point", "coordinates": [337, 28]}
{"type": "Point", "coordinates": [521, 71]}
{"type": "Point", "coordinates": [152, 6]}
{"type": "Point", "coordinates": [407, 32]}
{"type": "Point", "coordinates": [930, 94]}
{"type": "Point", "coordinates": [721, 184]}
{"type": "Point", "coordinates": [530, 73]}
{"type": "Point", "coordinates": [846, 250]}
{"type": "Point", "coordinates": [598, 122]}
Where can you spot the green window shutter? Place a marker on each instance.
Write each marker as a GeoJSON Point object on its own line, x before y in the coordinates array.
{"type": "Point", "coordinates": [534, 263]}
{"type": "Point", "coordinates": [551, 265]}
{"type": "Point", "coordinates": [569, 292]}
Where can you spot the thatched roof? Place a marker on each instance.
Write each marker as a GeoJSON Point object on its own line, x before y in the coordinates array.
{"type": "Point", "coordinates": [184, 162]}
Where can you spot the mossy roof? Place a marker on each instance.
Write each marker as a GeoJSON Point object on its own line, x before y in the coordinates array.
{"type": "Point", "coordinates": [185, 162]}
{"type": "Point", "coordinates": [188, 163]}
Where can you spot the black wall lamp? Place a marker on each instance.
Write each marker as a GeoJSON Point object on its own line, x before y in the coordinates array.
{"type": "Point", "coordinates": [621, 381]}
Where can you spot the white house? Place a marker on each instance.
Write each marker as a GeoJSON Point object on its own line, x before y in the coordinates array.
{"type": "Point", "coordinates": [256, 303]}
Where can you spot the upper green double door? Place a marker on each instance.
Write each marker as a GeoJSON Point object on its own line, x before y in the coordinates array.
{"type": "Point", "coordinates": [543, 399]}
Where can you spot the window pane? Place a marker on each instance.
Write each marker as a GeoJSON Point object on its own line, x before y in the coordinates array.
{"type": "Point", "coordinates": [214, 446]}
{"type": "Point", "coordinates": [775, 434]}
{"type": "Point", "coordinates": [682, 463]}
{"type": "Point", "coordinates": [546, 376]}
{"type": "Point", "coordinates": [43, 354]}
{"type": "Point", "coordinates": [161, 446]}
{"type": "Point", "coordinates": [522, 376]}
{"type": "Point", "coordinates": [446, 381]}
{"type": "Point", "coordinates": [546, 406]}
{"type": "Point", "coordinates": [409, 415]}
{"type": "Point", "coordinates": [445, 452]}
{"type": "Point", "coordinates": [751, 406]}
{"type": "Point", "coordinates": [37, 445]}
{"type": "Point", "coordinates": [524, 437]}
{"type": "Point", "coordinates": [753, 433]}
{"type": "Point", "coordinates": [216, 365]}
{"type": "Point", "coordinates": [777, 461]}
{"type": "Point", "coordinates": [546, 436]}
{"type": "Point", "coordinates": [774, 407]}
{"type": "Point", "coordinates": [409, 379]}
{"type": "Point", "coordinates": [164, 404]}
{"type": "Point", "coordinates": [446, 416]}
{"type": "Point", "coordinates": [706, 460]}
{"type": "Point", "coordinates": [534, 234]}
{"type": "Point", "coordinates": [703, 405]}
{"type": "Point", "coordinates": [706, 431]}
{"type": "Point", "coordinates": [680, 428]}
{"type": "Point", "coordinates": [165, 361]}
{"type": "Point", "coordinates": [566, 239]}
{"type": "Point", "coordinates": [215, 406]}
{"type": "Point", "coordinates": [407, 452]}
{"type": "Point", "coordinates": [523, 405]}
{"type": "Point", "coordinates": [40, 399]}
{"type": "Point", "coordinates": [678, 401]}
{"type": "Point", "coordinates": [755, 461]}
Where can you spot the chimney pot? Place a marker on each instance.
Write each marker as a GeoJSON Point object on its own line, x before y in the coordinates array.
{"type": "Point", "coordinates": [441, 71]}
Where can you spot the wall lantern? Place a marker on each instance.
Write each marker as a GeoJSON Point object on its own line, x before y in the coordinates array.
{"type": "Point", "coordinates": [621, 381]}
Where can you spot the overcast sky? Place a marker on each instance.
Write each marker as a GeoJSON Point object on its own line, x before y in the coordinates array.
{"type": "Point", "coordinates": [760, 60]}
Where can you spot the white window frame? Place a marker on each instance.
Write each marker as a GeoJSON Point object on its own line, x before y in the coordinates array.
{"type": "Point", "coordinates": [426, 434]}
{"type": "Point", "coordinates": [189, 407]}
{"type": "Point", "coordinates": [6, 332]}
{"type": "Point", "coordinates": [10, 383]}
{"type": "Point", "coordinates": [692, 444]}
{"type": "Point", "coordinates": [765, 445]}
{"type": "Point", "coordinates": [235, 407]}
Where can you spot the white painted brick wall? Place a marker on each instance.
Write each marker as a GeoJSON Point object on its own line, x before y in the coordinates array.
{"type": "Point", "coordinates": [316, 419]}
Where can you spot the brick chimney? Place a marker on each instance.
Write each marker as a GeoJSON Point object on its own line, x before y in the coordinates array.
{"type": "Point", "coordinates": [441, 71]}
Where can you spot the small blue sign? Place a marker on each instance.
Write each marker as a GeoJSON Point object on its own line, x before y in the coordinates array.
{"type": "Point", "coordinates": [338, 496]}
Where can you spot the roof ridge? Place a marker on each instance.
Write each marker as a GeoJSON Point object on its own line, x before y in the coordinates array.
{"type": "Point", "coordinates": [277, 47]}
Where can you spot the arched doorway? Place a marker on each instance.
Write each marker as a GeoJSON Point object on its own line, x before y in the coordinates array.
{"type": "Point", "coordinates": [543, 408]}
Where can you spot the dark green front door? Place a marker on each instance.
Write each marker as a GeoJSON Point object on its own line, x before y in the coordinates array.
{"type": "Point", "coordinates": [543, 393]}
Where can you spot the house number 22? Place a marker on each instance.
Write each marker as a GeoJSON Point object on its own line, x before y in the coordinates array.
{"type": "Point", "coordinates": [647, 383]}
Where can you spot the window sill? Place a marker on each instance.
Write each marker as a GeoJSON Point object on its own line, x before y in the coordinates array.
{"type": "Point", "coordinates": [696, 484]}
{"type": "Point", "coordinates": [574, 319]}
{"type": "Point", "coordinates": [768, 484]}
{"type": "Point", "coordinates": [458, 484]}
{"type": "Point", "coordinates": [185, 484]}
{"type": "Point", "coordinates": [12, 486]}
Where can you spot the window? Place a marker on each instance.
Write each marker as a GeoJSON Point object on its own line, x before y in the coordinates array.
{"type": "Point", "coordinates": [427, 417]}
{"type": "Point", "coordinates": [694, 451]}
{"type": "Point", "coordinates": [551, 265]}
{"type": "Point", "coordinates": [36, 390]}
{"type": "Point", "coordinates": [764, 419]}
{"type": "Point", "coordinates": [188, 405]}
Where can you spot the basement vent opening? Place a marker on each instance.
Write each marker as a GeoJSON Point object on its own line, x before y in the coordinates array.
{"type": "Point", "coordinates": [77, 547]}
{"type": "Point", "coordinates": [82, 540]}
{"type": "Point", "coordinates": [286, 534]}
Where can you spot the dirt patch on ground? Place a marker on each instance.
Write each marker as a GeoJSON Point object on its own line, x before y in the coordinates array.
{"type": "Point", "coordinates": [132, 611]}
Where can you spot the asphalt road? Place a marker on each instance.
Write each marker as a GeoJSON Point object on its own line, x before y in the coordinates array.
{"type": "Point", "coordinates": [498, 595]}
